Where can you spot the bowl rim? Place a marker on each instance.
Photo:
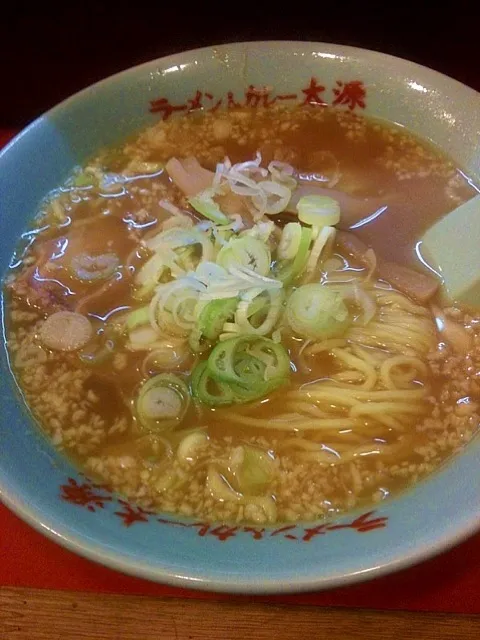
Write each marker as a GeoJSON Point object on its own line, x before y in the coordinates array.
{"type": "Point", "coordinates": [234, 585]}
{"type": "Point", "coordinates": [48, 526]}
{"type": "Point", "coordinates": [335, 48]}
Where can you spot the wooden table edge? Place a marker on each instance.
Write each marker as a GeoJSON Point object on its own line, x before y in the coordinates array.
{"type": "Point", "coordinates": [40, 614]}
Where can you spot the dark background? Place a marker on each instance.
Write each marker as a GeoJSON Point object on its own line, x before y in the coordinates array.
{"type": "Point", "coordinates": [50, 50]}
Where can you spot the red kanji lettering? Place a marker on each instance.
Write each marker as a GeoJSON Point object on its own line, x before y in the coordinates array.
{"type": "Point", "coordinates": [215, 106]}
{"type": "Point", "coordinates": [175, 523]}
{"type": "Point", "coordinates": [362, 524]}
{"type": "Point", "coordinates": [130, 514]}
{"type": "Point", "coordinates": [83, 495]}
{"type": "Point", "coordinates": [288, 527]}
{"type": "Point", "coordinates": [223, 532]}
{"type": "Point", "coordinates": [312, 532]}
{"type": "Point", "coordinates": [287, 96]}
{"type": "Point", "coordinates": [231, 100]}
{"type": "Point", "coordinates": [312, 93]}
{"type": "Point", "coordinates": [203, 528]}
{"type": "Point", "coordinates": [257, 534]}
{"type": "Point", "coordinates": [163, 106]}
{"type": "Point", "coordinates": [350, 93]}
{"type": "Point", "coordinates": [258, 97]}
{"type": "Point", "coordinates": [211, 97]}
{"type": "Point", "coordinates": [196, 102]}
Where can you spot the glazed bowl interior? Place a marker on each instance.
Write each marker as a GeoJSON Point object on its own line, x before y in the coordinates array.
{"type": "Point", "coordinates": [50, 494]}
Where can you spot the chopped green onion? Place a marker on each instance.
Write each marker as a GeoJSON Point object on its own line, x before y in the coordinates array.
{"type": "Point", "coordinates": [186, 258]}
{"type": "Point", "coordinates": [167, 354]}
{"type": "Point", "coordinates": [325, 237]}
{"type": "Point", "coordinates": [290, 241]}
{"type": "Point", "coordinates": [162, 402]}
{"type": "Point", "coordinates": [229, 354]}
{"type": "Point", "coordinates": [245, 317]}
{"type": "Point", "coordinates": [214, 315]}
{"type": "Point", "coordinates": [143, 338]}
{"type": "Point", "coordinates": [219, 489]}
{"type": "Point", "coordinates": [246, 252]}
{"type": "Point", "coordinates": [150, 273]}
{"type": "Point", "coordinates": [138, 318]}
{"type": "Point", "coordinates": [208, 390]}
{"type": "Point", "coordinates": [206, 205]}
{"type": "Point", "coordinates": [254, 469]}
{"type": "Point", "coordinates": [287, 271]}
{"type": "Point", "coordinates": [262, 231]}
{"type": "Point", "coordinates": [172, 309]}
{"type": "Point", "coordinates": [167, 241]}
{"type": "Point", "coordinates": [187, 451]}
{"type": "Point", "coordinates": [318, 211]}
{"type": "Point", "coordinates": [316, 312]}
{"type": "Point", "coordinates": [240, 370]}
{"type": "Point", "coordinates": [197, 341]}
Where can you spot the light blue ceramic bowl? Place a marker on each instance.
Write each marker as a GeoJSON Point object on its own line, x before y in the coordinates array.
{"type": "Point", "coordinates": [45, 490]}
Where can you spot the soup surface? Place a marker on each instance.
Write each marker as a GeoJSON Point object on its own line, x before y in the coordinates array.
{"type": "Point", "coordinates": [226, 316]}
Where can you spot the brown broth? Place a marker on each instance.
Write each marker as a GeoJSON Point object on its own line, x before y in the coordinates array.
{"type": "Point", "coordinates": [415, 182]}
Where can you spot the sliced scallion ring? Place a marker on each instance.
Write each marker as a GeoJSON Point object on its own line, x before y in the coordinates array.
{"type": "Point", "coordinates": [239, 370]}
{"type": "Point", "coordinates": [288, 270]}
{"type": "Point", "coordinates": [289, 241]}
{"type": "Point", "coordinates": [162, 402]}
{"type": "Point", "coordinates": [234, 360]}
{"type": "Point", "coordinates": [214, 315]}
{"type": "Point", "coordinates": [315, 311]}
{"type": "Point", "coordinates": [208, 390]}
{"type": "Point", "coordinates": [246, 252]}
{"type": "Point", "coordinates": [269, 311]}
{"type": "Point", "coordinates": [206, 205]}
{"type": "Point", "coordinates": [138, 318]}
{"type": "Point", "coordinates": [319, 211]}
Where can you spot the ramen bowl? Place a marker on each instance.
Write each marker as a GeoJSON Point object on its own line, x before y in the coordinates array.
{"type": "Point", "coordinates": [49, 493]}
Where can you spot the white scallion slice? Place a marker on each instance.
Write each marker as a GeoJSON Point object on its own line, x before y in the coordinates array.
{"type": "Point", "coordinates": [218, 487]}
{"type": "Point", "coordinates": [162, 402]}
{"type": "Point", "coordinates": [206, 205]}
{"type": "Point", "coordinates": [167, 355]}
{"type": "Point", "coordinates": [315, 311]}
{"type": "Point", "coordinates": [253, 468]}
{"type": "Point", "coordinates": [153, 269]}
{"type": "Point", "coordinates": [137, 318]}
{"type": "Point", "coordinates": [290, 241]}
{"type": "Point", "coordinates": [246, 252]}
{"type": "Point", "coordinates": [143, 338]}
{"type": "Point", "coordinates": [273, 198]}
{"type": "Point", "coordinates": [244, 316]}
{"type": "Point", "coordinates": [318, 211]}
{"type": "Point", "coordinates": [175, 238]}
{"type": "Point", "coordinates": [172, 308]}
{"type": "Point", "coordinates": [262, 231]}
{"type": "Point", "coordinates": [187, 451]}
{"type": "Point", "coordinates": [324, 237]}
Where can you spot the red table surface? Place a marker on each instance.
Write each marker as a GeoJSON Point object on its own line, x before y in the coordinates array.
{"type": "Point", "coordinates": [448, 583]}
